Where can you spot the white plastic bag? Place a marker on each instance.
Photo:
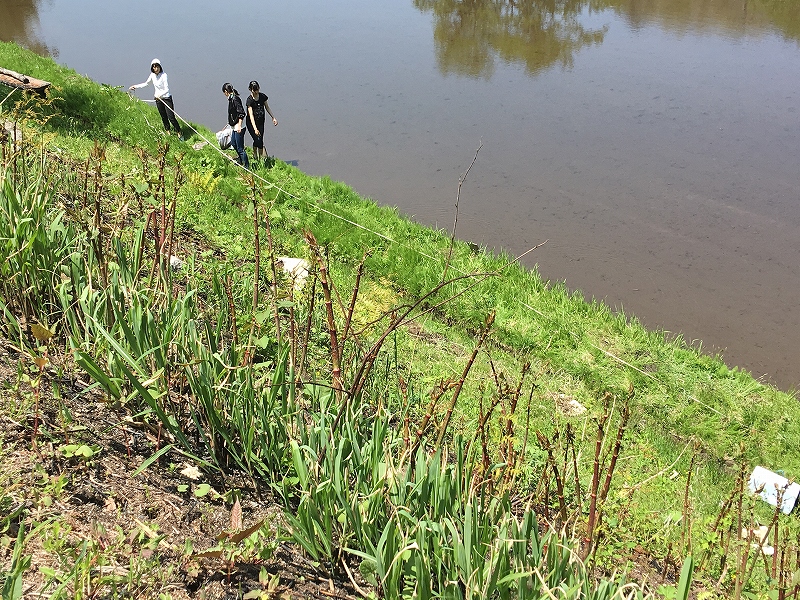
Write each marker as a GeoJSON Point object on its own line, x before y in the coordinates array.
{"type": "Point", "coordinates": [224, 137]}
{"type": "Point", "coordinates": [769, 485]}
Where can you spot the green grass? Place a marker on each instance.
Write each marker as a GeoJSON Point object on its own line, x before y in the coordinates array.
{"type": "Point", "coordinates": [684, 402]}
{"type": "Point", "coordinates": [559, 328]}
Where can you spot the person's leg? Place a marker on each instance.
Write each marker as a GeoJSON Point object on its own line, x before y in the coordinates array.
{"type": "Point", "coordinates": [162, 110]}
{"type": "Point", "coordinates": [255, 138]}
{"type": "Point", "coordinates": [172, 118]}
{"type": "Point", "coordinates": [237, 141]}
{"type": "Point", "coordinates": [259, 142]}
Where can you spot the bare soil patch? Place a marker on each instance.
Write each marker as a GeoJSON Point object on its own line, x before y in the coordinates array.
{"type": "Point", "coordinates": [151, 532]}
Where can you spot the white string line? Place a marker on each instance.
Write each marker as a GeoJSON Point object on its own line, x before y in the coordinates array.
{"type": "Point", "coordinates": [9, 96]}
{"type": "Point", "coordinates": [385, 237]}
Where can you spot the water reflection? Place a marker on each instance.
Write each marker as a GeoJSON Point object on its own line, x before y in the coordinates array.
{"type": "Point", "coordinates": [470, 35]}
{"type": "Point", "coordinates": [19, 21]}
{"type": "Point", "coordinates": [728, 17]}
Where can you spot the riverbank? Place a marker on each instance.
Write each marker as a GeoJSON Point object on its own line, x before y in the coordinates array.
{"type": "Point", "coordinates": [547, 363]}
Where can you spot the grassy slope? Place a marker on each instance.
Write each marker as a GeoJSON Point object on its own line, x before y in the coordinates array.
{"type": "Point", "coordinates": [578, 349]}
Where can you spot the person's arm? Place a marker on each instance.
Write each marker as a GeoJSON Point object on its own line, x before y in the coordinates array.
{"type": "Point", "coordinates": [253, 119]}
{"type": "Point", "coordinates": [237, 102]}
{"type": "Point", "coordinates": [274, 120]}
{"type": "Point", "coordinates": [136, 86]}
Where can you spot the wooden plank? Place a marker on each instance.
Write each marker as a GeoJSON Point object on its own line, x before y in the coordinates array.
{"type": "Point", "coordinates": [23, 82]}
{"type": "Point", "coordinates": [15, 75]}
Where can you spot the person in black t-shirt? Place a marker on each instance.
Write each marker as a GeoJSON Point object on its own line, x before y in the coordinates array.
{"type": "Point", "coordinates": [257, 106]}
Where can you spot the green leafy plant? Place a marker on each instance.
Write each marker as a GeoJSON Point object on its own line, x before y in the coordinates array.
{"type": "Point", "coordinates": [12, 579]}
{"type": "Point", "coordinates": [80, 451]}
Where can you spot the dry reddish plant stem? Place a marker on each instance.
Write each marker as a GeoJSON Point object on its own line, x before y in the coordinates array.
{"type": "Point", "coordinates": [551, 461]}
{"type": "Point", "coordinates": [360, 377]}
{"type": "Point", "coordinates": [332, 332]}
{"type": "Point", "coordinates": [274, 266]}
{"type": "Point", "coordinates": [436, 394]}
{"type": "Point", "coordinates": [598, 446]}
{"type": "Point", "coordinates": [623, 425]}
{"type": "Point", "coordinates": [307, 333]}
{"type": "Point", "coordinates": [796, 590]}
{"type": "Point", "coordinates": [570, 437]}
{"type": "Point", "coordinates": [512, 409]}
{"type": "Point", "coordinates": [686, 529]}
{"type": "Point", "coordinates": [231, 309]}
{"type": "Point", "coordinates": [448, 415]}
{"type": "Point", "coordinates": [352, 307]}
{"type": "Point", "coordinates": [257, 269]}
{"type": "Point", "coordinates": [455, 219]}
{"type": "Point", "coordinates": [726, 506]}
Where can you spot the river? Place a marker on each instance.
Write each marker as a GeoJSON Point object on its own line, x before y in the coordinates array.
{"type": "Point", "coordinates": [652, 143]}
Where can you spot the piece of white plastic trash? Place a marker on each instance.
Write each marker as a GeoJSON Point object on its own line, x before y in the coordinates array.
{"type": "Point", "coordinates": [296, 269]}
{"type": "Point", "coordinates": [770, 484]}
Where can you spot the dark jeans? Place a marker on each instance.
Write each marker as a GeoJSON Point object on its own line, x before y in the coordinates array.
{"type": "Point", "coordinates": [168, 114]}
{"type": "Point", "coordinates": [237, 141]}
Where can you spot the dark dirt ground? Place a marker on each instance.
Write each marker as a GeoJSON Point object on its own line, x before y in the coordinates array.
{"type": "Point", "coordinates": [143, 531]}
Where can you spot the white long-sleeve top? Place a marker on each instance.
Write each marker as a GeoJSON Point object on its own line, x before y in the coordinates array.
{"type": "Point", "coordinates": [160, 85]}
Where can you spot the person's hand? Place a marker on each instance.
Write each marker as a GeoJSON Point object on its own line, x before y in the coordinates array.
{"type": "Point", "coordinates": [275, 121]}
{"type": "Point", "coordinates": [257, 132]}
{"type": "Point", "coordinates": [132, 88]}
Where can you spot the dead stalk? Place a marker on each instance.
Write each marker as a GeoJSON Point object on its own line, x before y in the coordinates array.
{"type": "Point", "coordinates": [274, 267]}
{"type": "Point", "coordinates": [527, 426]}
{"type": "Point", "coordinates": [173, 206]}
{"type": "Point", "coordinates": [595, 484]}
{"type": "Point", "coordinates": [309, 317]}
{"type": "Point", "coordinates": [726, 506]}
{"type": "Point", "coordinates": [570, 437]}
{"type": "Point", "coordinates": [332, 332]}
{"type": "Point", "coordinates": [436, 394]}
{"type": "Point", "coordinates": [484, 334]}
{"type": "Point", "coordinates": [256, 269]}
{"type": "Point", "coordinates": [623, 424]}
{"type": "Point", "coordinates": [547, 446]}
{"type": "Point", "coordinates": [485, 462]}
{"type": "Point", "coordinates": [365, 367]}
{"type": "Point", "coordinates": [231, 310]}
{"type": "Point", "coordinates": [461, 181]}
{"type": "Point", "coordinates": [739, 508]}
{"type": "Point", "coordinates": [352, 307]}
{"type": "Point", "coordinates": [686, 529]}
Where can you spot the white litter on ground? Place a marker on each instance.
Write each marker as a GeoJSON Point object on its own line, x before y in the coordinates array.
{"type": "Point", "coordinates": [569, 406]}
{"type": "Point", "coordinates": [296, 269]}
{"type": "Point", "coordinates": [767, 485]}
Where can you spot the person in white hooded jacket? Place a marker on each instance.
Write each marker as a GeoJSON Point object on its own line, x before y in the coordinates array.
{"type": "Point", "coordinates": [163, 98]}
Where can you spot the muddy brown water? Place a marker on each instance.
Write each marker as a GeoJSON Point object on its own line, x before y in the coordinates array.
{"type": "Point", "coordinates": [652, 143]}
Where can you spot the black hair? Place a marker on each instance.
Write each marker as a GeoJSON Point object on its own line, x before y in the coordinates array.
{"type": "Point", "coordinates": [154, 65]}
{"type": "Point", "coordinates": [227, 87]}
{"type": "Point", "coordinates": [253, 86]}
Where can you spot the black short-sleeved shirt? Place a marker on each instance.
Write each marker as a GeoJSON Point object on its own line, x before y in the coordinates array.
{"type": "Point", "coordinates": [257, 104]}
